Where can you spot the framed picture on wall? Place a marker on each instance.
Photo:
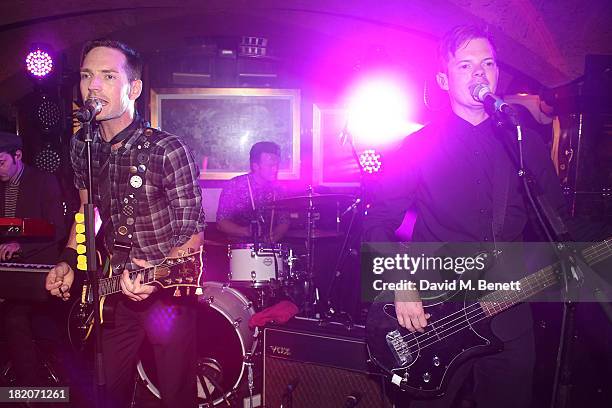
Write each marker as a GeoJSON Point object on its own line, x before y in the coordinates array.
{"type": "Point", "coordinates": [221, 124]}
{"type": "Point", "coordinates": [333, 164]}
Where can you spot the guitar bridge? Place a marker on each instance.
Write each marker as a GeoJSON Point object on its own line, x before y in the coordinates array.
{"type": "Point", "coordinates": [399, 348]}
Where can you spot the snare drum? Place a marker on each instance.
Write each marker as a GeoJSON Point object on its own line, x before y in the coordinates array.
{"type": "Point", "coordinates": [256, 268]}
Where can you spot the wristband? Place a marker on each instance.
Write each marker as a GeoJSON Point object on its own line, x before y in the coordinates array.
{"type": "Point", "coordinates": [69, 255]}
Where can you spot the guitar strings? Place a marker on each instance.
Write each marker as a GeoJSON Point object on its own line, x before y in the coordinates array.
{"type": "Point", "coordinates": [108, 286]}
{"type": "Point", "coordinates": [476, 307]}
{"type": "Point", "coordinates": [594, 252]}
{"type": "Point", "coordinates": [469, 322]}
{"type": "Point", "coordinates": [460, 312]}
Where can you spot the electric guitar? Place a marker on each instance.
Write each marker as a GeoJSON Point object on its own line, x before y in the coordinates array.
{"type": "Point", "coordinates": [459, 329]}
{"type": "Point", "coordinates": [176, 272]}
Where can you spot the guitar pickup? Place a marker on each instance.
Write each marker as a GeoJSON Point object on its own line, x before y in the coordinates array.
{"type": "Point", "coordinates": [399, 348]}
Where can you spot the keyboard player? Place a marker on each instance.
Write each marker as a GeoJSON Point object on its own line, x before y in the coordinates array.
{"type": "Point", "coordinates": [27, 193]}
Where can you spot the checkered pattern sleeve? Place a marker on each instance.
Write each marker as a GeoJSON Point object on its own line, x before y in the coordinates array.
{"type": "Point", "coordinates": [183, 192]}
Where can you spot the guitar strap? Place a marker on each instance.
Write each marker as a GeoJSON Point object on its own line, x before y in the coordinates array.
{"type": "Point", "coordinates": [124, 230]}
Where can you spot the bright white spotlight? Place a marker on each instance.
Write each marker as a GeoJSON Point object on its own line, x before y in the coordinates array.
{"type": "Point", "coordinates": [39, 63]}
{"type": "Point", "coordinates": [379, 112]}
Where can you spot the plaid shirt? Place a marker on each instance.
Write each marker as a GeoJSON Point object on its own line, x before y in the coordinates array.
{"type": "Point", "coordinates": [170, 210]}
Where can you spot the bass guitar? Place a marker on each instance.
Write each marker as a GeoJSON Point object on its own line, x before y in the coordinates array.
{"type": "Point", "coordinates": [182, 272]}
{"type": "Point", "coordinates": [458, 330]}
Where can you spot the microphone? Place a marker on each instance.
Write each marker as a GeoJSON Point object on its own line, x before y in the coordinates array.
{"type": "Point", "coordinates": [493, 103]}
{"type": "Point", "coordinates": [89, 110]}
{"type": "Point", "coordinates": [351, 207]}
{"type": "Point", "coordinates": [344, 135]}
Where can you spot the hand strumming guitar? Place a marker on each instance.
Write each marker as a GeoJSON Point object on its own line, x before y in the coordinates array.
{"type": "Point", "coordinates": [409, 310]}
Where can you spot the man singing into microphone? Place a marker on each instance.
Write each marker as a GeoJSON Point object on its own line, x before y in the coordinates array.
{"type": "Point", "coordinates": [167, 220]}
{"type": "Point", "coordinates": [464, 186]}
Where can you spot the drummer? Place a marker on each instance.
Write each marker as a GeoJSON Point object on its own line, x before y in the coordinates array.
{"type": "Point", "coordinates": [244, 214]}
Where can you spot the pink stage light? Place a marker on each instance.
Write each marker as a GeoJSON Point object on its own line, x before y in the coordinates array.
{"type": "Point", "coordinates": [39, 63]}
{"type": "Point", "coordinates": [379, 111]}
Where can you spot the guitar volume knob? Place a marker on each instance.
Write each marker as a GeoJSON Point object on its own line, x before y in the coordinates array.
{"type": "Point", "coordinates": [436, 361]}
{"type": "Point", "coordinates": [426, 377]}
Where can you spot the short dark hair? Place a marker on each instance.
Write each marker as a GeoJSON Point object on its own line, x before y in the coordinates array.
{"type": "Point", "coordinates": [263, 147]}
{"type": "Point", "coordinates": [456, 37]}
{"type": "Point", "coordinates": [133, 64]}
{"type": "Point", "coordinates": [10, 143]}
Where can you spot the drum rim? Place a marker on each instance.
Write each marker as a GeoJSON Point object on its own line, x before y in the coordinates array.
{"type": "Point", "coordinates": [275, 246]}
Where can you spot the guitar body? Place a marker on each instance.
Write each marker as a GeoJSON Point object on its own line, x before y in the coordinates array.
{"type": "Point", "coordinates": [458, 329]}
{"type": "Point", "coordinates": [423, 363]}
{"type": "Point", "coordinates": [81, 319]}
{"type": "Point", "coordinates": [178, 272]}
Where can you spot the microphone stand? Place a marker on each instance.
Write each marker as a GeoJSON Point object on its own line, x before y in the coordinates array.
{"type": "Point", "coordinates": [92, 271]}
{"type": "Point", "coordinates": [573, 267]}
{"type": "Point", "coordinates": [357, 208]}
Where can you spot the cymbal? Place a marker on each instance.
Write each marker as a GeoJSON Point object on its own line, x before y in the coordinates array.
{"type": "Point", "coordinates": [310, 202]}
{"type": "Point", "coordinates": [210, 242]}
{"type": "Point", "coordinates": [316, 234]}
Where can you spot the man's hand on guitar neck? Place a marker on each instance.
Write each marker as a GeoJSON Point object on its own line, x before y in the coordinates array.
{"type": "Point", "coordinates": [409, 310]}
{"type": "Point", "coordinates": [135, 290]}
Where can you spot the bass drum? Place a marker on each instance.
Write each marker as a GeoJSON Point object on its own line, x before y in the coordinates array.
{"type": "Point", "coordinates": [223, 340]}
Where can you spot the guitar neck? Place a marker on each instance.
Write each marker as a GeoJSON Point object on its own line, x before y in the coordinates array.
{"type": "Point", "coordinates": [500, 300]}
{"type": "Point", "coordinates": [109, 286]}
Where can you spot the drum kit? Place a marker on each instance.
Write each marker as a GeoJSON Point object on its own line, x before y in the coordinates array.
{"type": "Point", "coordinates": [259, 275]}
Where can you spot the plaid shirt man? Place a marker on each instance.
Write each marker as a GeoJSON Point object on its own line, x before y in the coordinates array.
{"type": "Point", "coordinates": [170, 209]}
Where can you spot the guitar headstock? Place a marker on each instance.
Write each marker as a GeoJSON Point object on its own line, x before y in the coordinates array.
{"type": "Point", "coordinates": [183, 270]}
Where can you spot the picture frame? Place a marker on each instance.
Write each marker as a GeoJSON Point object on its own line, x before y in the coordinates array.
{"type": "Point", "coordinates": [221, 124]}
{"type": "Point", "coordinates": [333, 164]}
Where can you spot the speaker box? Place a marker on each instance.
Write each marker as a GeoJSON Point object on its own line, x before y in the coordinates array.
{"type": "Point", "coordinates": [307, 364]}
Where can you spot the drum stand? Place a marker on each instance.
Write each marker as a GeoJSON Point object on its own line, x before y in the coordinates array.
{"type": "Point", "coordinates": [334, 311]}
{"type": "Point", "coordinates": [310, 293]}
{"type": "Point", "coordinates": [249, 362]}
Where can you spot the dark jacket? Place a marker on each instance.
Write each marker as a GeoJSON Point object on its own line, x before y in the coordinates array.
{"type": "Point", "coordinates": [39, 197]}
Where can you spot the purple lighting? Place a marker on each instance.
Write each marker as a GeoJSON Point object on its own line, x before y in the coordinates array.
{"type": "Point", "coordinates": [370, 161]}
{"type": "Point", "coordinates": [379, 109]}
{"type": "Point", "coordinates": [39, 63]}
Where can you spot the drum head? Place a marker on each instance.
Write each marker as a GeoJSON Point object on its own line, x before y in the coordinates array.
{"type": "Point", "coordinates": [223, 338]}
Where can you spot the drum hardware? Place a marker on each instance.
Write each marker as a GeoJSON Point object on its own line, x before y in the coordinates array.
{"type": "Point", "coordinates": [208, 370]}
{"type": "Point", "coordinates": [248, 360]}
{"type": "Point", "coordinates": [291, 262]}
{"type": "Point", "coordinates": [309, 204]}
{"type": "Point", "coordinates": [347, 247]}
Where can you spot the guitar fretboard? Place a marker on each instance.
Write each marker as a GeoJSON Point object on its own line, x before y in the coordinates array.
{"type": "Point", "coordinates": [501, 300]}
{"type": "Point", "coordinates": [108, 286]}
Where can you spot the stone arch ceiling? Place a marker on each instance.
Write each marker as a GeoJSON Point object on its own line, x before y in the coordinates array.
{"type": "Point", "coordinates": [544, 39]}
